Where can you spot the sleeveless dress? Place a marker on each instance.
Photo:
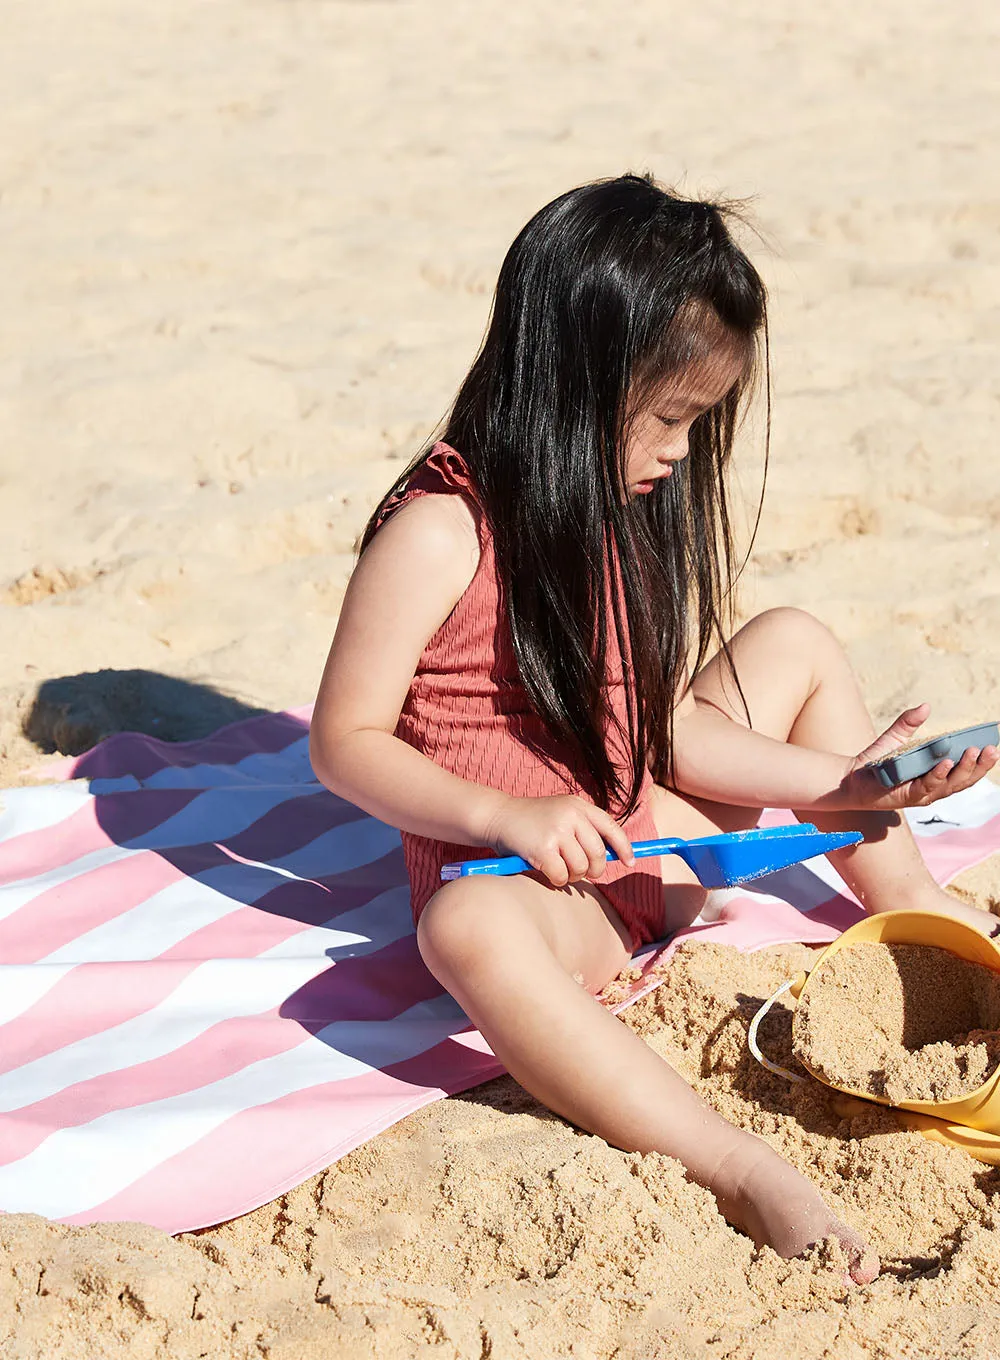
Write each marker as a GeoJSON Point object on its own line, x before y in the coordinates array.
{"type": "Point", "coordinates": [468, 711]}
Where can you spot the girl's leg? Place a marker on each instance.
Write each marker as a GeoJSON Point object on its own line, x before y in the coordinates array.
{"type": "Point", "coordinates": [800, 688]}
{"type": "Point", "coordinates": [512, 952]}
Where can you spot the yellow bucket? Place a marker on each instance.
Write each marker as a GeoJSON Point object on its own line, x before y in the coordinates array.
{"type": "Point", "coordinates": [971, 1123]}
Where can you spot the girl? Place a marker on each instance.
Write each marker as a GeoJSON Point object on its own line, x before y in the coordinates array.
{"type": "Point", "coordinates": [510, 675]}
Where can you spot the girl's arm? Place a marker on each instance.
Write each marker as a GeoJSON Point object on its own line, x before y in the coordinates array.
{"type": "Point", "coordinates": [404, 586]}
{"type": "Point", "coordinates": [717, 758]}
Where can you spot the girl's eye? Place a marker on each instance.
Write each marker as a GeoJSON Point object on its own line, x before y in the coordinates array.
{"type": "Point", "coordinates": [668, 420]}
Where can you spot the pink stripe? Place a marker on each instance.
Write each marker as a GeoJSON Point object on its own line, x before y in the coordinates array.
{"type": "Point", "coordinates": [52, 847]}
{"type": "Point", "coordinates": [91, 998]}
{"type": "Point", "coordinates": [222, 1050]}
{"type": "Point", "coordinates": [63, 913]}
{"type": "Point", "coordinates": [321, 1124]}
{"type": "Point", "coordinates": [114, 819]}
{"type": "Point", "coordinates": [376, 986]}
{"type": "Point", "coordinates": [748, 924]}
{"type": "Point", "coordinates": [99, 996]}
{"type": "Point", "coordinates": [67, 911]}
{"type": "Point", "coordinates": [952, 851]}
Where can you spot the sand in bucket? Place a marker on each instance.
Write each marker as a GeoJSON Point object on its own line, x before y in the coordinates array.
{"type": "Point", "coordinates": [901, 1021]}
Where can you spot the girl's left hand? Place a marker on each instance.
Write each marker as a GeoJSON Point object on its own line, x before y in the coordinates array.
{"type": "Point", "coordinates": [863, 790]}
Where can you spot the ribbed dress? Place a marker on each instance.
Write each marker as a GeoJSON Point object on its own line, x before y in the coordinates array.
{"type": "Point", "coordinates": [468, 711]}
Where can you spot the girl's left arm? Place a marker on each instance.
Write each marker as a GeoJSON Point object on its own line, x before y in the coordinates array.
{"type": "Point", "coordinates": [716, 757]}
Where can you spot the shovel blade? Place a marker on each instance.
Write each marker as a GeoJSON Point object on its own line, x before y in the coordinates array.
{"type": "Point", "coordinates": [725, 861]}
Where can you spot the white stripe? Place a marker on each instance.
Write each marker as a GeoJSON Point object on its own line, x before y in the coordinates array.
{"type": "Point", "coordinates": [208, 994]}
{"type": "Point", "coordinates": [14, 896]}
{"type": "Point", "coordinates": [170, 916]}
{"type": "Point", "coordinates": [217, 990]}
{"type": "Point", "coordinates": [78, 1168]}
{"type": "Point", "coordinates": [177, 911]}
{"type": "Point", "coordinates": [375, 924]}
{"type": "Point", "coordinates": [216, 815]}
{"type": "Point", "coordinates": [165, 918]}
{"type": "Point", "coordinates": [35, 809]}
{"type": "Point", "coordinates": [345, 847]}
{"type": "Point", "coordinates": [971, 808]}
{"type": "Point", "coordinates": [24, 984]}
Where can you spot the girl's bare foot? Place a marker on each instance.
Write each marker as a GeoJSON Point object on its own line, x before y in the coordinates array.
{"type": "Point", "coordinates": [937, 899]}
{"type": "Point", "coordinates": [761, 1193]}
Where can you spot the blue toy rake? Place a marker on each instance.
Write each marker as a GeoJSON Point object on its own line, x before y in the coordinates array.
{"type": "Point", "coordinates": [718, 861]}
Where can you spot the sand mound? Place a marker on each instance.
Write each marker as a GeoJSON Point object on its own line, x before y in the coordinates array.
{"type": "Point", "coordinates": [483, 1225]}
{"type": "Point", "coordinates": [904, 1021]}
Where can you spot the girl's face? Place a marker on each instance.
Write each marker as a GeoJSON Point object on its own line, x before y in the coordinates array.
{"type": "Point", "coordinates": [658, 436]}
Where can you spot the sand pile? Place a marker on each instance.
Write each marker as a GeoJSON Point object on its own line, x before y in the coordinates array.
{"type": "Point", "coordinates": [483, 1225]}
{"type": "Point", "coordinates": [904, 1021]}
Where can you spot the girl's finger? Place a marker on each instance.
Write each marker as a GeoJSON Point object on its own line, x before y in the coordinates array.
{"type": "Point", "coordinates": [613, 834]}
{"type": "Point", "coordinates": [594, 848]}
{"type": "Point", "coordinates": [556, 872]}
{"type": "Point", "coordinates": [552, 864]}
{"type": "Point", "coordinates": [964, 772]}
{"type": "Point", "coordinates": [897, 734]}
{"type": "Point", "coordinates": [931, 785]}
{"type": "Point", "coordinates": [575, 857]}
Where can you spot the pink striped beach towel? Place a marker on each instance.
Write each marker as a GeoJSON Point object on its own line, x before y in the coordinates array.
{"type": "Point", "coordinates": [209, 981]}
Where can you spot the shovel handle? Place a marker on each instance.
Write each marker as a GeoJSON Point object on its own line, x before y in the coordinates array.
{"type": "Point", "coordinates": [514, 864]}
{"type": "Point", "coordinates": [669, 845]}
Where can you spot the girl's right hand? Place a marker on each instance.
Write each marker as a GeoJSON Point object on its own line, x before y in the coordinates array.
{"type": "Point", "coordinates": [563, 836]}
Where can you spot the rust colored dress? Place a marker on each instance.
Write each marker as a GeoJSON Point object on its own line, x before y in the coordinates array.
{"type": "Point", "coordinates": [467, 710]}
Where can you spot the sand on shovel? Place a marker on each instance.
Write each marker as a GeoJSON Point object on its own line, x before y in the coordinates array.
{"type": "Point", "coordinates": [903, 1021]}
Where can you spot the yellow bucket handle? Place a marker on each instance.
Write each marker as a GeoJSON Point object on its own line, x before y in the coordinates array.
{"type": "Point", "coordinates": [755, 1025]}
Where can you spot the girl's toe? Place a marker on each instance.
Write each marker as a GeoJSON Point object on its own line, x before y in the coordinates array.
{"type": "Point", "coordinates": [864, 1264]}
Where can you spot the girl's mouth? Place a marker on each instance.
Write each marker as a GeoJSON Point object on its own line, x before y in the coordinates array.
{"type": "Point", "coordinates": [647, 486]}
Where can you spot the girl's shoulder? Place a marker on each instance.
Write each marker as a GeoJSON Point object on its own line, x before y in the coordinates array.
{"type": "Point", "coordinates": [439, 539]}
{"type": "Point", "coordinates": [443, 472]}
{"type": "Point", "coordinates": [444, 469]}
{"type": "Point", "coordinates": [446, 465]}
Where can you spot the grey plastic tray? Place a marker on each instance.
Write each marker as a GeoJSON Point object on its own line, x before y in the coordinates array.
{"type": "Point", "coordinates": [895, 770]}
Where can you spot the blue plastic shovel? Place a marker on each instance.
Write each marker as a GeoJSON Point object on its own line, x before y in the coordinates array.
{"type": "Point", "coordinates": [718, 861]}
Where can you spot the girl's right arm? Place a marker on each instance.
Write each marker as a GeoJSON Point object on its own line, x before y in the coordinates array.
{"type": "Point", "coordinates": [404, 586]}
{"type": "Point", "coordinates": [406, 583]}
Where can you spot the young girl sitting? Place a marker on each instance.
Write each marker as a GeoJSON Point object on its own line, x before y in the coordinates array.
{"type": "Point", "coordinates": [510, 674]}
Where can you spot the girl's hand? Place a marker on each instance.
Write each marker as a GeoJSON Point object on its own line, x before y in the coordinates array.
{"type": "Point", "coordinates": [563, 836]}
{"type": "Point", "coordinates": [863, 790]}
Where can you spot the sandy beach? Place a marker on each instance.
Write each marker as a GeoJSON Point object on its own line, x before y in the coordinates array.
{"type": "Point", "coordinates": [247, 258]}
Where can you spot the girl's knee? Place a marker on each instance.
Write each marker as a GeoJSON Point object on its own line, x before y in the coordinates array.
{"type": "Point", "coordinates": [459, 922]}
{"type": "Point", "coordinates": [796, 628]}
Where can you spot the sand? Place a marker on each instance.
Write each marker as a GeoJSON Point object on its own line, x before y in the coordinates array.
{"type": "Point", "coordinates": [246, 260]}
{"type": "Point", "coordinates": [485, 1226]}
{"type": "Point", "coordinates": [904, 1021]}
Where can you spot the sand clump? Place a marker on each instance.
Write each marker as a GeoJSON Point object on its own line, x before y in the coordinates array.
{"type": "Point", "coordinates": [903, 1021]}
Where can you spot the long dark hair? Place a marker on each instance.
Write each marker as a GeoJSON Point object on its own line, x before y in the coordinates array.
{"type": "Point", "coordinates": [607, 291]}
